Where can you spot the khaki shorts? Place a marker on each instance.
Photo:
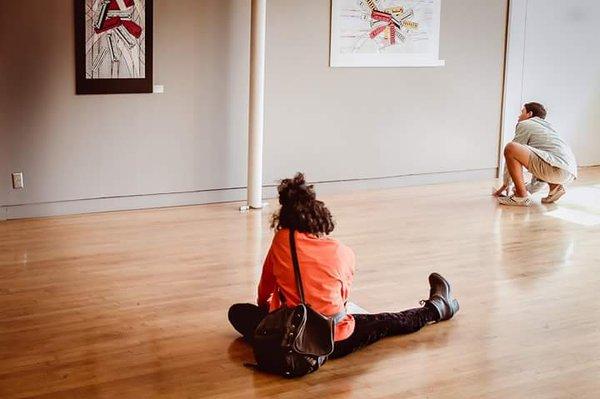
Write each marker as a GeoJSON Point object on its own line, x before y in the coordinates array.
{"type": "Point", "coordinates": [542, 170]}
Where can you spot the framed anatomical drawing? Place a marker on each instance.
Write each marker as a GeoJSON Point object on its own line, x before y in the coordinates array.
{"type": "Point", "coordinates": [385, 33]}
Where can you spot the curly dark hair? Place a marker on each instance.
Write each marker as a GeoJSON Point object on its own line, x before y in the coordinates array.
{"type": "Point", "coordinates": [300, 210]}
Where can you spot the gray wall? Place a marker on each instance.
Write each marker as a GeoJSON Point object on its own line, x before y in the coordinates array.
{"type": "Point", "coordinates": [340, 123]}
{"type": "Point", "coordinates": [570, 89]}
{"type": "Point", "coordinates": [331, 123]}
{"type": "Point", "coordinates": [73, 147]}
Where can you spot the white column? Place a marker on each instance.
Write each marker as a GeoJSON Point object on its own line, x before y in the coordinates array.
{"type": "Point", "coordinates": [257, 103]}
{"type": "Point", "coordinates": [513, 73]}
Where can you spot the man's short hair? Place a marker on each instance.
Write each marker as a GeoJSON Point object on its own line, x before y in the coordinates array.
{"type": "Point", "coordinates": [536, 109]}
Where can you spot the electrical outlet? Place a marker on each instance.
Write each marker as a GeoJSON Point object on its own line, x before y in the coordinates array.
{"type": "Point", "coordinates": [17, 180]}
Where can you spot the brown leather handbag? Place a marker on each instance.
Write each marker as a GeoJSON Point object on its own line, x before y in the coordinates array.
{"type": "Point", "coordinates": [295, 341]}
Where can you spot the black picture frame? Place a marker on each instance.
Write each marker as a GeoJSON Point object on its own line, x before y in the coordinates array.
{"type": "Point", "coordinates": [111, 86]}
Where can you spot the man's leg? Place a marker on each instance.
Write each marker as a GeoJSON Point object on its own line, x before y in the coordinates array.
{"type": "Point", "coordinates": [555, 193]}
{"type": "Point", "coordinates": [245, 317]}
{"type": "Point", "coordinates": [556, 177]}
{"type": "Point", "coordinates": [536, 184]}
{"type": "Point", "coordinates": [370, 328]}
{"type": "Point", "coordinates": [517, 156]}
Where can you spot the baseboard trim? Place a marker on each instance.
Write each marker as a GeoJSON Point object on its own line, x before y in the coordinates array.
{"type": "Point", "coordinates": [418, 179]}
{"type": "Point", "coordinates": [110, 204]}
{"type": "Point", "coordinates": [93, 205]}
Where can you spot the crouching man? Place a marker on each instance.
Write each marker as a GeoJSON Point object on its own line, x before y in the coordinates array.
{"type": "Point", "coordinates": [537, 147]}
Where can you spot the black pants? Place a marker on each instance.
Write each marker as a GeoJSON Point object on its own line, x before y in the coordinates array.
{"type": "Point", "coordinates": [369, 328]}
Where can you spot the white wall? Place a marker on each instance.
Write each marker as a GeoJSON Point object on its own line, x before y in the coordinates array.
{"type": "Point", "coordinates": [350, 123]}
{"type": "Point", "coordinates": [136, 148]}
{"type": "Point", "coordinates": [554, 58]}
{"type": "Point", "coordinates": [189, 144]}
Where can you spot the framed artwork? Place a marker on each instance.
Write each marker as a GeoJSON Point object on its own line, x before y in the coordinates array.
{"type": "Point", "coordinates": [385, 33]}
{"type": "Point", "coordinates": [113, 46]}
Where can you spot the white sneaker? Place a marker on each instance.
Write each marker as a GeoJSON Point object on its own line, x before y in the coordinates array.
{"type": "Point", "coordinates": [554, 195]}
{"type": "Point", "coordinates": [513, 200]}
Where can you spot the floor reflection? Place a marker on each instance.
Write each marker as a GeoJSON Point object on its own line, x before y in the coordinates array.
{"type": "Point", "coordinates": [580, 205]}
{"type": "Point", "coordinates": [519, 244]}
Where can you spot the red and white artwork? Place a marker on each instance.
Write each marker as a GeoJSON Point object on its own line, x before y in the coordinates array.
{"type": "Point", "coordinates": [385, 33]}
{"type": "Point", "coordinates": [115, 39]}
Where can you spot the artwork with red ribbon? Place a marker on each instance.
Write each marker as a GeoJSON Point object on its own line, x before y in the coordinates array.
{"type": "Point", "coordinates": [385, 33]}
{"type": "Point", "coordinates": [115, 41]}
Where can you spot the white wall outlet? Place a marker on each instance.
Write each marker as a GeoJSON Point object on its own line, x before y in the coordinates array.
{"type": "Point", "coordinates": [158, 89]}
{"type": "Point", "coordinates": [17, 180]}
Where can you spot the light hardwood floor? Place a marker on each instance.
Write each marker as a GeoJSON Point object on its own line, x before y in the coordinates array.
{"type": "Point", "coordinates": [133, 304]}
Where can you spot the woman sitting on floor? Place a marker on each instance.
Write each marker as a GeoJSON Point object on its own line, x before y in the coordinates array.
{"type": "Point", "coordinates": [327, 272]}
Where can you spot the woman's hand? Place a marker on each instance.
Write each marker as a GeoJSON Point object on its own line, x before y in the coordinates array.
{"type": "Point", "coordinates": [498, 193]}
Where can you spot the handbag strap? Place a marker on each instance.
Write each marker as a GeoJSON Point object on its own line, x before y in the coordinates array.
{"type": "Point", "coordinates": [297, 274]}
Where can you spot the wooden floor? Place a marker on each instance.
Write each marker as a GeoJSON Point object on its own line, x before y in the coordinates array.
{"type": "Point", "coordinates": [133, 304]}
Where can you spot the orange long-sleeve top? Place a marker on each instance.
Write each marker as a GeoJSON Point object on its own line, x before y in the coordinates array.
{"type": "Point", "coordinates": [327, 268]}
